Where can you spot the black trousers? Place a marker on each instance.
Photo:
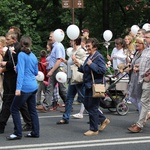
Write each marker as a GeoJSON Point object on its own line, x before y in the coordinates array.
{"type": "Point", "coordinates": [9, 85]}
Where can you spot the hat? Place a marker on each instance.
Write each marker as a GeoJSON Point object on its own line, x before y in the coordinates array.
{"type": "Point", "coordinates": [85, 30]}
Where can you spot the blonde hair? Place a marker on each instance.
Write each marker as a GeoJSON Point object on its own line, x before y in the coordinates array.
{"type": "Point", "coordinates": [3, 41]}
{"type": "Point", "coordinates": [130, 46]}
{"type": "Point", "coordinates": [140, 40]}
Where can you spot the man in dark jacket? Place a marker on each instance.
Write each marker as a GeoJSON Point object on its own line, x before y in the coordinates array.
{"type": "Point", "coordinates": [9, 81]}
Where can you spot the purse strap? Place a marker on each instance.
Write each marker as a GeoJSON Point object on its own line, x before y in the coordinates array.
{"type": "Point", "coordinates": [93, 77]}
{"type": "Point", "coordinates": [92, 71]}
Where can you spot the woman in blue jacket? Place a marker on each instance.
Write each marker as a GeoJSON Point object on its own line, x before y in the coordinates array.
{"type": "Point", "coordinates": [95, 63]}
{"type": "Point", "coordinates": [27, 69]}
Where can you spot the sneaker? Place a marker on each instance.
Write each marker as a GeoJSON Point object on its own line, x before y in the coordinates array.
{"type": "Point", "coordinates": [127, 100]}
{"type": "Point", "coordinates": [104, 124]}
{"type": "Point", "coordinates": [78, 116]}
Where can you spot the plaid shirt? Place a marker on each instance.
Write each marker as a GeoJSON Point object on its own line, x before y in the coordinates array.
{"type": "Point", "coordinates": [144, 63]}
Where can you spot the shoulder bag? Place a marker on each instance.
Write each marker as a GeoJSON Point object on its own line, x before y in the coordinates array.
{"type": "Point", "coordinates": [77, 77]}
{"type": "Point", "coordinates": [98, 89]}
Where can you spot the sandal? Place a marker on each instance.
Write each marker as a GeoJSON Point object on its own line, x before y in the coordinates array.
{"type": "Point", "coordinates": [62, 122]}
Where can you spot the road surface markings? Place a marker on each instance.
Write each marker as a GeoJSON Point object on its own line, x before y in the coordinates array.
{"type": "Point", "coordinates": [80, 144]}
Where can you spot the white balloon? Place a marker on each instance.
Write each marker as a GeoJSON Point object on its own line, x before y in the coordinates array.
{"type": "Point", "coordinates": [69, 51]}
{"type": "Point", "coordinates": [107, 35]}
{"type": "Point", "coordinates": [134, 29]}
{"type": "Point", "coordinates": [40, 76]}
{"type": "Point", "coordinates": [146, 26]}
{"type": "Point", "coordinates": [73, 32]}
{"type": "Point", "coordinates": [61, 77]}
{"type": "Point", "coordinates": [59, 35]}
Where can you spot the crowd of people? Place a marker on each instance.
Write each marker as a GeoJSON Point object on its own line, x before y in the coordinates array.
{"type": "Point", "coordinates": [21, 93]}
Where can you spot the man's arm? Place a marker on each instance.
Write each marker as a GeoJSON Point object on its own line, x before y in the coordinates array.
{"type": "Point", "coordinates": [57, 64]}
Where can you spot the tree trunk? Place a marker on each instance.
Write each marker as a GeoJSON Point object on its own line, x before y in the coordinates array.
{"type": "Point", "coordinates": [105, 14]}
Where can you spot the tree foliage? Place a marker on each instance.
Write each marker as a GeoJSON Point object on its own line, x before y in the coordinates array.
{"type": "Point", "coordinates": [38, 17]}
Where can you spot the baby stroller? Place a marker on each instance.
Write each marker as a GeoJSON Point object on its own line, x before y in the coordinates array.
{"type": "Point", "coordinates": [115, 93]}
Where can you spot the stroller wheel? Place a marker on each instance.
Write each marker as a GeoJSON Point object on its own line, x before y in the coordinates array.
{"type": "Point", "coordinates": [122, 108]}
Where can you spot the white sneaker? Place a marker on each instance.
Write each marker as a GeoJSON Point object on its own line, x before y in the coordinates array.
{"type": "Point", "coordinates": [78, 116]}
{"type": "Point", "coordinates": [129, 102]}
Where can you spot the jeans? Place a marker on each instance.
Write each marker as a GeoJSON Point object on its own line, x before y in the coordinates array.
{"type": "Point", "coordinates": [18, 102]}
{"type": "Point", "coordinates": [72, 91]}
{"type": "Point", "coordinates": [91, 104]}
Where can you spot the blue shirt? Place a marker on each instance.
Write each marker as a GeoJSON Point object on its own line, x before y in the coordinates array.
{"type": "Point", "coordinates": [58, 51]}
{"type": "Point", "coordinates": [27, 69]}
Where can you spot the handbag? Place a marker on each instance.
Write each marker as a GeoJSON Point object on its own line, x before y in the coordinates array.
{"type": "Point", "coordinates": [77, 77]}
{"type": "Point", "coordinates": [98, 89]}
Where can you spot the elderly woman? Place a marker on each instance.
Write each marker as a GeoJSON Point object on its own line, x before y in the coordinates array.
{"type": "Point", "coordinates": [143, 69]}
{"type": "Point", "coordinates": [95, 63]}
{"type": "Point", "coordinates": [135, 89]}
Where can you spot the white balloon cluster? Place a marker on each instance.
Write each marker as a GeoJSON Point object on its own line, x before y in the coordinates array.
{"type": "Point", "coordinates": [135, 28]}
{"type": "Point", "coordinates": [72, 32]}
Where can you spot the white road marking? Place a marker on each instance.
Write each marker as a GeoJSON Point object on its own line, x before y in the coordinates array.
{"type": "Point", "coordinates": [80, 144]}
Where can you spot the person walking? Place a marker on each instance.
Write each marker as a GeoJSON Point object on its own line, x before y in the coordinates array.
{"type": "Point", "coordinates": [55, 65]}
{"type": "Point", "coordinates": [42, 68]}
{"type": "Point", "coordinates": [144, 68]}
{"type": "Point", "coordinates": [95, 63]}
{"type": "Point", "coordinates": [27, 69]}
{"type": "Point", "coordinates": [56, 96]}
{"type": "Point", "coordinates": [9, 83]}
{"type": "Point", "coordinates": [78, 55]}
{"type": "Point", "coordinates": [135, 89]}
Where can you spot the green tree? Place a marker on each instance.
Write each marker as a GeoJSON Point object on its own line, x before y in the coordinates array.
{"type": "Point", "coordinates": [16, 13]}
{"type": "Point", "coordinates": [38, 17]}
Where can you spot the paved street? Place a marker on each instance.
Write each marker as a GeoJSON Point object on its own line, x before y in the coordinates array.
{"type": "Point", "coordinates": [70, 136]}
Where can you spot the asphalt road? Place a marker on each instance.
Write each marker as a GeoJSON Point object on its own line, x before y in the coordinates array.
{"type": "Point", "coordinates": [70, 136]}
